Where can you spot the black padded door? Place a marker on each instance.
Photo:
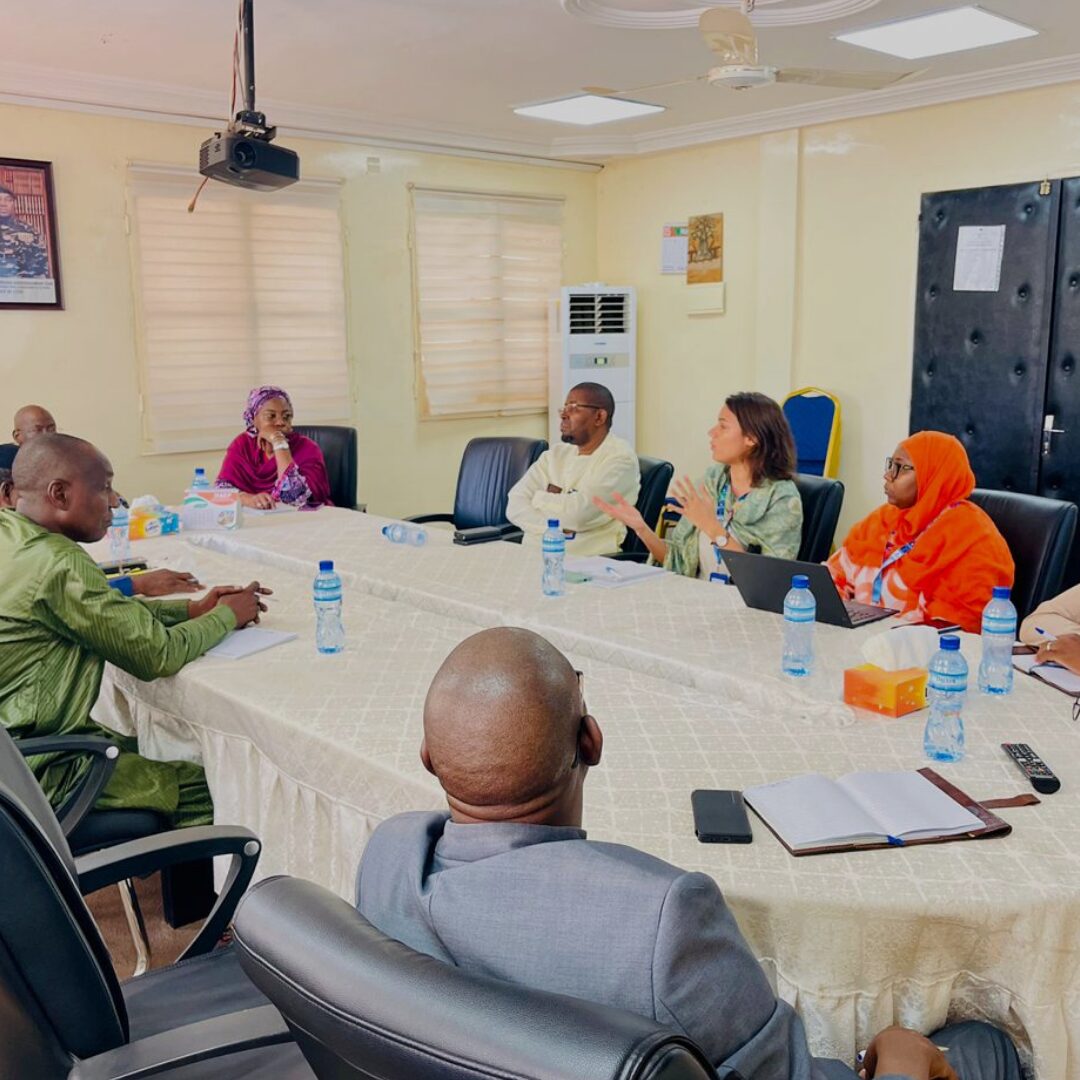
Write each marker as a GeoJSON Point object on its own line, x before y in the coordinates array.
{"type": "Point", "coordinates": [980, 358]}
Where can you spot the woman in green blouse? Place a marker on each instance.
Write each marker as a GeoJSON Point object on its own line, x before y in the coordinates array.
{"type": "Point", "coordinates": [746, 499]}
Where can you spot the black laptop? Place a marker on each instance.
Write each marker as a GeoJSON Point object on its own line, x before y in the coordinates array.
{"type": "Point", "coordinates": [764, 581]}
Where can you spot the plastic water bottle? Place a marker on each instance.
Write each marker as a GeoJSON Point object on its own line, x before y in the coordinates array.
{"type": "Point", "coordinates": [998, 635]}
{"type": "Point", "coordinates": [553, 581]}
{"type": "Point", "coordinates": [119, 535]}
{"type": "Point", "coordinates": [329, 633]}
{"type": "Point", "coordinates": [401, 532]}
{"type": "Point", "coordinates": [199, 481]}
{"type": "Point", "coordinates": [943, 739]}
{"type": "Point", "coordinates": [800, 612]}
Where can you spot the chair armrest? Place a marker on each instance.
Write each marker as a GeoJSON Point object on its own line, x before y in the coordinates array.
{"type": "Point", "coordinates": [81, 801]}
{"type": "Point", "coordinates": [149, 853]}
{"type": "Point", "coordinates": [217, 1037]}
{"type": "Point", "coordinates": [424, 519]}
{"type": "Point", "coordinates": [629, 556]}
{"type": "Point", "coordinates": [360, 508]}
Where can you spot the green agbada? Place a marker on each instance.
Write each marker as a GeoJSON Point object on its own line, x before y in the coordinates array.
{"type": "Point", "coordinates": [59, 624]}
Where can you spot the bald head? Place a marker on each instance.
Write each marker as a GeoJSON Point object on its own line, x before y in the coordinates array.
{"type": "Point", "coordinates": [505, 730]}
{"type": "Point", "coordinates": [64, 484]}
{"type": "Point", "coordinates": [31, 421]}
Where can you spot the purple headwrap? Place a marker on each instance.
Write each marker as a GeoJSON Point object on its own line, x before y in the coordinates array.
{"type": "Point", "coordinates": [257, 399]}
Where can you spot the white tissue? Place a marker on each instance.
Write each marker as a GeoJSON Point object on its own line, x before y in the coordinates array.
{"type": "Point", "coordinates": [901, 648]}
{"type": "Point", "coordinates": [149, 501]}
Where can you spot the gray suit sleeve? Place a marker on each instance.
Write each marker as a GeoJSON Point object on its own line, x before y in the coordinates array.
{"type": "Point", "coordinates": [708, 985]}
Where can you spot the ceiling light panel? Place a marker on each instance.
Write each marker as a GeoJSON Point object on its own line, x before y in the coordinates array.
{"type": "Point", "coordinates": [938, 33]}
{"type": "Point", "coordinates": [588, 109]}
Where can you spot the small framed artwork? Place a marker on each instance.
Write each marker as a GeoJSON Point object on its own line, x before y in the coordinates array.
{"type": "Point", "coordinates": [29, 252]}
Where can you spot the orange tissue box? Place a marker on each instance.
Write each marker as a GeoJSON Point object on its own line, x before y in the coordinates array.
{"type": "Point", "coordinates": [891, 693]}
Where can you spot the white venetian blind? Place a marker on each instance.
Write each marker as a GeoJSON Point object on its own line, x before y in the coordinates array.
{"type": "Point", "coordinates": [485, 269]}
{"type": "Point", "coordinates": [247, 290]}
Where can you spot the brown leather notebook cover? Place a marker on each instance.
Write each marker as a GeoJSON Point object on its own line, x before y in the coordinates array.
{"type": "Point", "coordinates": [992, 824]}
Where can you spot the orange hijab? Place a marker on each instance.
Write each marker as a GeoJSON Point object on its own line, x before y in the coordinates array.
{"type": "Point", "coordinates": [958, 557]}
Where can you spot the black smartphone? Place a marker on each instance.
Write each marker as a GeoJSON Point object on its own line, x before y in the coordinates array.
{"type": "Point", "coordinates": [720, 817]}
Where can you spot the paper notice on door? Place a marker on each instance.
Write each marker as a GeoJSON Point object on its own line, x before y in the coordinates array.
{"type": "Point", "coordinates": [673, 249]}
{"type": "Point", "coordinates": [979, 253]}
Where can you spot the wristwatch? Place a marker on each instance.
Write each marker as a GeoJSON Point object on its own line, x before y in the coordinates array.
{"type": "Point", "coordinates": [721, 541]}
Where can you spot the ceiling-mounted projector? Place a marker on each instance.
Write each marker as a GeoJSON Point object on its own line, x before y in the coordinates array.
{"type": "Point", "coordinates": [244, 154]}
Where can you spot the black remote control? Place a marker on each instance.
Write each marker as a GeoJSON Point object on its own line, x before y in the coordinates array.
{"type": "Point", "coordinates": [1033, 767]}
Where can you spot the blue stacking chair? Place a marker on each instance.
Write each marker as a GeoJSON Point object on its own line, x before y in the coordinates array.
{"type": "Point", "coordinates": [814, 416]}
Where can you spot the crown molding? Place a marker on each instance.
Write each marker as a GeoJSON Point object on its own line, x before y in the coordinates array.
{"type": "Point", "coordinates": [22, 84]}
{"type": "Point", "coordinates": [111, 95]}
{"type": "Point", "coordinates": [898, 98]}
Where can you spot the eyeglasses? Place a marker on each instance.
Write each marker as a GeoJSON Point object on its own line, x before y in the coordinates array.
{"type": "Point", "coordinates": [584, 712]}
{"type": "Point", "coordinates": [573, 406]}
{"type": "Point", "coordinates": [894, 468]}
{"type": "Point", "coordinates": [1076, 708]}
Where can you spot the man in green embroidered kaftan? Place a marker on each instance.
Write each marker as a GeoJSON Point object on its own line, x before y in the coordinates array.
{"type": "Point", "coordinates": [60, 622]}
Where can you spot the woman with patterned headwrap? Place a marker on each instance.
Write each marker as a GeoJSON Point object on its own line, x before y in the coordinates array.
{"type": "Point", "coordinates": [929, 551]}
{"type": "Point", "coordinates": [270, 463]}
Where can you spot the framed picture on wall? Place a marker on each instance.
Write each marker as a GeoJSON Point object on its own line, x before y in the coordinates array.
{"type": "Point", "coordinates": [29, 252]}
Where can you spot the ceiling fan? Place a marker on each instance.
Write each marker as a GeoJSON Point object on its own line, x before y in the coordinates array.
{"type": "Point", "coordinates": [730, 35]}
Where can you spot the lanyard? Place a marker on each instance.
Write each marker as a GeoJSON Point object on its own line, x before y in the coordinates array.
{"type": "Point", "coordinates": [723, 516]}
{"type": "Point", "coordinates": [898, 554]}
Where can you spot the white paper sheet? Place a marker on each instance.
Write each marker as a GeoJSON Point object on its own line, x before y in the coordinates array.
{"type": "Point", "coordinates": [673, 248]}
{"type": "Point", "coordinates": [247, 642]}
{"type": "Point", "coordinates": [980, 250]}
{"type": "Point", "coordinates": [611, 573]}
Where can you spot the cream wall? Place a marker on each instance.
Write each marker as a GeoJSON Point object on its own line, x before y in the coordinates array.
{"type": "Point", "coordinates": [849, 262]}
{"type": "Point", "coordinates": [81, 362]}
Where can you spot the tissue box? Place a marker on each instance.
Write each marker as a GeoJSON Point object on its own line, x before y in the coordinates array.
{"type": "Point", "coordinates": [891, 693]}
{"type": "Point", "coordinates": [147, 523]}
{"type": "Point", "coordinates": [210, 508]}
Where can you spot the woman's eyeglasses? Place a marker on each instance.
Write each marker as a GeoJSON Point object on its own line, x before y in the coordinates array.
{"type": "Point", "coordinates": [894, 468]}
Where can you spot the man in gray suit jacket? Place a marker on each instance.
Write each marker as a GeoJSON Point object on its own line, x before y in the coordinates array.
{"type": "Point", "coordinates": [507, 884]}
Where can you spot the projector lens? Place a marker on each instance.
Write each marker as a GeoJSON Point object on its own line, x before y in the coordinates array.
{"type": "Point", "coordinates": [244, 155]}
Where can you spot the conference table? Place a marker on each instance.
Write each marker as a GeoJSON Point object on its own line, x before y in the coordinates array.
{"type": "Point", "coordinates": [313, 751]}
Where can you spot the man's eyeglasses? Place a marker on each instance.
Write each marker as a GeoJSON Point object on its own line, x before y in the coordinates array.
{"type": "Point", "coordinates": [573, 406]}
{"type": "Point", "coordinates": [1076, 708]}
{"type": "Point", "coordinates": [584, 712]}
{"type": "Point", "coordinates": [894, 468]}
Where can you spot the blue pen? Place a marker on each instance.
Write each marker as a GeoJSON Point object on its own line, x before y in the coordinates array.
{"type": "Point", "coordinates": [1045, 633]}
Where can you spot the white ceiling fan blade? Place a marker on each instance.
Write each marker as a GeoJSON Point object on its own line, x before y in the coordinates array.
{"type": "Point", "coordinates": [848, 80]}
{"type": "Point", "coordinates": [607, 91]}
{"type": "Point", "coordinates": [729, 35]}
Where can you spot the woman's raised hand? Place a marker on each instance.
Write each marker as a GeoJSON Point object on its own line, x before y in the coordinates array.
{"type": "Point", "coordinates": [621, 510]}
{"type": "Point", "coordinates": [694, 504]}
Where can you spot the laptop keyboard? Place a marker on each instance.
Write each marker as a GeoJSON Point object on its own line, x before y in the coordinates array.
{"type": "Point", "coordinates": [863, 613]}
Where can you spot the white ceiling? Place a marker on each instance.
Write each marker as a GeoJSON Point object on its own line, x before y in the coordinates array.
{"type": "Point", "coordinates": [448, 72]}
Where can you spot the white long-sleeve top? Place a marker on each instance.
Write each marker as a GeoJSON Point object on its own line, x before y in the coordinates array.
{"type": "Point", "coordinates": [611, 467]}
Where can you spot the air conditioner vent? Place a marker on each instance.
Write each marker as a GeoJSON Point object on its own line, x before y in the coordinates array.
{"type": "Point", "coordinates": [598, 313]}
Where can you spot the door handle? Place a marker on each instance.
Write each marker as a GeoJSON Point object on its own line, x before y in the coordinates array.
{"type": "Point", "coordinates": [1048, 433]}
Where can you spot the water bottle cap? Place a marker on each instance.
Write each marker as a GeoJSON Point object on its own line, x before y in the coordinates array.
{"type": "Point", "coordinates": [200, 471]}
{"type": "Point", "coordinates": [800, 581]}
{"type": "Point", "coordinates": [1002, 592]}
{"type": "Point", "coordinates": [326, 565]}
{"type": "Point", "coordinates": [949, 642]}
{"type": "Point", "coordinates": [553, 523]}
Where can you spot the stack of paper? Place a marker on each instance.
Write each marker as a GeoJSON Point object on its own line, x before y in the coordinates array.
{"type": "Point", "coordinates": [247, 642]}
{"type": "Point", "coordinates": [610, 573]}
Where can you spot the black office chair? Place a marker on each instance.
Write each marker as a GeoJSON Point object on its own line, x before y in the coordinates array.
{"type": "Point", "coordinates": [490, 467]}
{"type": "Point", "coordinates": [1040, 534]}
{"type": "Point", "coordinates": [338, 446]}
{"type": "Point", "coordinates": [365, 1007]}
{"type": "Point", "coordinates": [822, 500]}
{"type": "Point", "coordinates": [655, 480]}
{"type": "Point", "coordinates": [64, 1015]}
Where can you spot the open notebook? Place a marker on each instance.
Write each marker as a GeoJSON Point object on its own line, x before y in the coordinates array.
{"type": "Point", "coordinates": [812, 813]}
{"type": "Point", "coordinates": [1050, 673]}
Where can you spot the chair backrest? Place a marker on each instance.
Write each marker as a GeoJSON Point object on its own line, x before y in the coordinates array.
{"type": "Point", "coordinates": [489, 469]}
{"type": "Point", "coordinates": [1039, 533]}
{"type": "Point", "coordinates": [814, 417]}
{"type": "Point", "coordinates": [59, 996]}
{"type": "Point", "coordinates": [655, 480]}
{"type": "Point", "coordinates": [364, 1006]}
{"type": "Point", "coordinates": [338, 446]}
{"type": "Point", "coordinates": [821, 503]}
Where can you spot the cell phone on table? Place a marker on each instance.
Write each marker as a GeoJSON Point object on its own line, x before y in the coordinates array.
{"type": "Point", "coordinates": [720, 817]}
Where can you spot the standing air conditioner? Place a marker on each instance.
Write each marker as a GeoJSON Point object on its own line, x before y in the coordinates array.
{"type": "Point", "coordinates": [598, 326]}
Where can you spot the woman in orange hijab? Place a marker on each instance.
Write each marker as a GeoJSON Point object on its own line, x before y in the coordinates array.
{"type": "Point", "coordinates": [929, 551]}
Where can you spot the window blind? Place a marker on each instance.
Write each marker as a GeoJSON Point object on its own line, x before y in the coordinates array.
{"type": "Point", "coordinates": [247, 290]}
{"type": "Point", "coordinates": [485, 270]}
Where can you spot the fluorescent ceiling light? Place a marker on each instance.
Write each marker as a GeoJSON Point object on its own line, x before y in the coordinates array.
{"type": "Point", "coordinates": [941, 32]}
{"type": "Point", "coordinates": [588, 109]}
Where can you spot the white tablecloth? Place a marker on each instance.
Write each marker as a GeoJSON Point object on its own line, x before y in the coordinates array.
{"type": "Point", "coordinates": [312, 752]}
